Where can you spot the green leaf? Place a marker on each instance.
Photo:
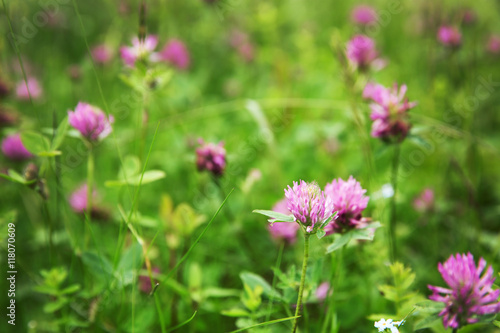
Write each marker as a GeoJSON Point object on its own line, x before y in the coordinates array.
{"type": "Point", "coordinates": [339, 242]}
{"type": "Point", "coordinates": [429, 306]}
{"type": "Point", "coordinates": [254, 280]}
{"type": "Point", "coordinates": [131, 260]}
{"type": "Point", "coordinates": [50, 153]}
{"type": "Point", "coordinates": [71, 289]}
{"type": "Point", "coordinates": [35, 143]}
{"type": "Point", "coordinates": [320, 233]}
{"type": "Point", "coordinates": [426, 322]}
{"type": "Point", "coordinates": [98, 266]}
{"type": "Point", "coordinates": [264, 324]}
{"type": "Point", "coordinates": [275, 216]}
{"type": "Point", "coordinates": [131, 167]}
{"type": "Point", "coordinates": [60, 134]}
{"type": "Point", "coordinates": [235, 312]}
{"type": "Point", "coordinates": [149, 177]}
{"type": "Point", "coordinates": [220, 292]}
{"type": "Point", "coordinates": [15, 177]}
{"type": "Point", "coordinates": [56, 305]}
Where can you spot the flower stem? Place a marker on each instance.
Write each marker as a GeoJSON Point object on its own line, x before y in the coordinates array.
{"type": "Point", "coordinates": [90, 181]}
{"type": "Point", "coordinates": [302, 280]}
{"type": "Point", "coordinates": [277, 266]}
{"type": "Point", "coordinates": [393, 219]}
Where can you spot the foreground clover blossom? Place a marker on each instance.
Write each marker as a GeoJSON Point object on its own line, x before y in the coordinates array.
{"type": "Point", "coordinates": [364, 15]}
{"type": "Point", "coordinates": [211, 157]}
{"type": "Point", "coordinates": [29, 88]}
{"type": "Point", "coordinates": [140, 49]}
{"type": "Point", "coordinates": [389, 325]}
{"type": "Point", "coordinates": [389, 111]}
{"type": "Point", "coordinates": [308, 204]}
{"type": "Point", "coordinates": [361, 51]}
{"type": "Point", "coordinates": [78, 199]}
{"type": "Point", "coordinates": [470, 295]}
{"type": "Point", "coordinates": [283, 230]}
{"type": "Point", "coordinates": [449, 36]}
{"type": "Point", "coordinates": [13, 148]}
{"type": "Point", "coordinates": [90, 121]}
{"type": "Point", "coordinates": [176, 54]}
{"type": "Point", "coordinates": [349, 201]}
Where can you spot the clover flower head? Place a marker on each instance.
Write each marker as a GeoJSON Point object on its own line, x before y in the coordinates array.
{"type": "Point", "coordinates": [449, 36]}
{"type": "Point", "coordinates": [469, 295]}
{"type": "Point", "coordinates": [211, 157]}
{"type": "Point", "coordinates": [364, 15]}
{"type": "Point", "coordinates": [78, 199]}
{"type": "Point", "coordinates": [286, 231]}
{"type": "Point", "coordinates": [140, 49]}
{"type": "Point", "coordinates": [101, 53]}
{"type": "Point", "coordinates": [90, 121]}
{"type": "Point", "coordinates": [176, 54]}
{"type": "Point", "coordinates": [493, 45]}
{"type": "Point", "coordinates": [29, 88]}
{"type": "Point", "coordinates": [13, 148]}
{"type": "Point", "coordinates": [349, 201]}
{"type": "Point", "coordinates": [322, 291]}
{"type": "Point", "coordinates": [425, 201]}
{"type": "Point", "coordinates": [308, 204]}
{"type": "Point", "coordinates": [389, 111]}
{"type": "Point", "coordinates": [361, 51]}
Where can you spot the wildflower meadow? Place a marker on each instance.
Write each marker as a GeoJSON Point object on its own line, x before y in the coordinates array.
{"type": "Point", "coordinates": [250, 166]}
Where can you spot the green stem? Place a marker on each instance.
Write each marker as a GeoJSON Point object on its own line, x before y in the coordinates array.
{"type": "Point", "coordinates": [302, 280]}
{"type": "Point", "coordinates": [90, 181]}
{"type": "Point", "coordinates": [393, 219]}
{"type": "Point", "coordinates": [277, 266]}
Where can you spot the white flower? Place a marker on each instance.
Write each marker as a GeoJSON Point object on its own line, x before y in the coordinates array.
{"type": "Point", "coordinates": [388, 324]}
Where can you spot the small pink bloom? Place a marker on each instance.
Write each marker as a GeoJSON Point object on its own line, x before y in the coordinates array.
{"type": "Point", "coordinates": [425, 201]}
{"type": "Point", "coordinates": [78, 199]}
{"type": "Point", "coordinates": [211, 157]}
{"type": "Point", "coordinates": [241, 43]}
{"type": "Point", "coordinates": [34, 88]}
{"type": "Point", "coordinates": [361, 51]}
{"type": "Point", "coordinates": [145, 281]}
{"type": "Point", "coordinates": [176, 54]}
{"type": "Point", "coordinates": [449, 36]}
{"type": "Point", "coordinates": [469, 16]}
{"type": "Point", "coordinates": [364, 15]}
{"type": "Point", "coordinates": [493, 45]}
{"type": "Point", "coordinates": [140, 49]}
{"type": "Point", "coordinates": [13, 148]}
{"type": "Point", "coordinates": [101, 54]}
{"type": "Point", "coordinates": [322, 291]}
{"type": "Point", "coordinates": [90, 121]}
{"type": "Point", "coordinates": [286, 231]}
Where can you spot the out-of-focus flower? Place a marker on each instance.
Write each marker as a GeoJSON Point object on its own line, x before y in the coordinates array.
{"type": "Point", "coordinates": [13, 148]}
{"type": "Point", "coordinates": [101, 53]}
{"type": "Point", "coordinates": [322, 291]}
{"type": "Point", "coordinates": [361, 51]}
{"type": "Point", "coordinates": [349, 201]}
{"type": "Point", "coordinates": [78, 199]}
{"type": "Point", "coordinates": [449, 36]}
{"type": "Point", "coordinates": [211, 157]}
{"type": "Point", "coordinates": [389, 111]}
{"type": "Point", "coordinates": [7, 117]}
{"type": "Point", "coordinates": [425, 201]}
{"type": "Point", "coordinates": [90, 121]}
{"type": "Point", "coordinates": [4, 89]}
{"type": "Point", "coordinates": [140, 50]}
{"type": "Point", "coordinates": [469, 16]}
{"type": "Point", "coordinates": [308, 204]}
{"type": "Point", "coordinates": [241, 43]}
{"type": "Point", "coordinates": [145, 281]}
{"type": "Point", "coordinates": [493, 45]}
{"type": "Point", "coordinates": [176, 54]}
{"type": "Point", "coordinates": [286, 231]}
{"type": "Point", "coordinates": [364, 15]}
{"type": "Point", "coordinates": [34, 88]}
{"type": "Point", "coordinates": [469, 295]}
{"type": "Point", "coordinates": [74, 72]}
{"type": "Point", "coordinates": [388, 325]}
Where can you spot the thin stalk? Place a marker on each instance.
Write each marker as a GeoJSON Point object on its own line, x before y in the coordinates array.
{"type": "Point", "coordinates": [331, 316]}
{"type": "Point", "coordinates": [302, 281]}
{"type": "Point", "coordinates": [393, 217]}
{"type": "Point", "coordinates": [90, 181]}
{"type": "Point", "coordinates": [277, 266]}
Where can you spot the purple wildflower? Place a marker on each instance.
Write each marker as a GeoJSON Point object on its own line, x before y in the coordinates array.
{"type": "Point", "coordinates": [32, 88]}
{"type": "Point", "coordinates": [145, 281]}
{"type": "Point", "coordinates": [361, 51]}
{"type": "Point", "coordinates": [449, 36]}
{"type": "Point", "coordinates": [425, 201]}
{"type": "Point", "coordinates": [78, 199]}
{"type": "Point", "coordinates": [242, 44]}
{"type": "Point", "coordinates": [364, 15]}
{"type": "Point", "coordinates": [470, 294]}
{"type": "Point", "coordinates": [389, 111]}
{"type": "Point", "coordinates": [308, 204]}
{"type": "Point", "coordinates": [493, 45]}
{"type": "Point", "coordinates": [322, 291]}
{"type": "Point", "coordinates": [90, 121]}
{"type": "Point", "coordinates": [211, 157]}
{"type": "Point", "coordinates": [101, 53]}
{"type": "Point", "coordinates": [348, 201]}
{"type": "Point", "coordinates": [283, 230]}
{"type": "Point", "coordinates": [13, 148]}
{"type": "Point", "coordinates": [140, 49]}
{"type": "Point", "coordinates": [176, 53]}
